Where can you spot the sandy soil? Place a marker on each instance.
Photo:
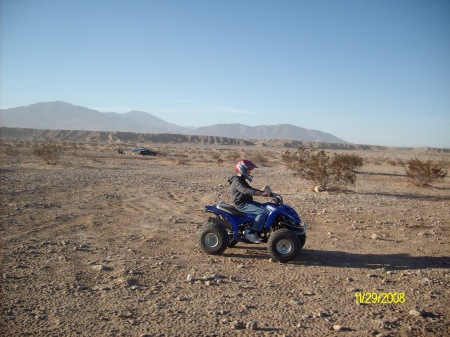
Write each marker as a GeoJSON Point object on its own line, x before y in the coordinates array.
{"type": "Point", "coordinates": [107, 245]}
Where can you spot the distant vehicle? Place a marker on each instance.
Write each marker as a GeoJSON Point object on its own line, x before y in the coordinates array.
{"type": "Point", "coordinates": [143, 151]}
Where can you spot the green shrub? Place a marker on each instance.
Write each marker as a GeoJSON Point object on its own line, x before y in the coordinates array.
{"type": "Point", "coordinates": [423, 173]}
{"type": "Point", "coordinates": [326, 171]}
{"type": "Point", "coordinates": [51, 152]}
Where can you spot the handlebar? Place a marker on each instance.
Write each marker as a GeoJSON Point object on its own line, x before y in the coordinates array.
{"type": "Point", "coordinates": [276, 198]}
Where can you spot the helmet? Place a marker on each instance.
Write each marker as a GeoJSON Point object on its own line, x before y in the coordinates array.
{"type": "Point", "coordinates": [243, 166]}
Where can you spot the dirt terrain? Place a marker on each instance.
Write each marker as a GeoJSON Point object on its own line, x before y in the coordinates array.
{"type": "Point", "coordinates": [107, 245]}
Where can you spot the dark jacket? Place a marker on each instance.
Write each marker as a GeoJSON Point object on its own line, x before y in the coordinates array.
{"type": "Point", "coordinates": [241, 191]}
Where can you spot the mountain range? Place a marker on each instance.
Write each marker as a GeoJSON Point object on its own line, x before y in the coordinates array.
{"type": "Point", "coordinates": [66, 116]}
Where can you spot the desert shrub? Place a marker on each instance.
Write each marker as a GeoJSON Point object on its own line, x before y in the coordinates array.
{"type": "Point", "coordinates": [396, 162]}
{"type": "Point", "coordinates": [215, 155]}
{"type": "Point", "coordinates": [423, 173]}
{"type": "Point", "coordinates": [347, 161]}
{"type": "Point", "coordinates": [258, 158]}
{"type": "Point", "coordinates": [10, 151]}
{"type": "Point", "coordinates": [233, 156]}
{"type": "Point", "coordinates": [50, 152]}
{"type": "Point", "coordinates": [327, 171]}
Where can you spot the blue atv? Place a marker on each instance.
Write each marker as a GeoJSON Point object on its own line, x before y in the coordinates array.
{"type": "Point", "coordinates": [284, 231]}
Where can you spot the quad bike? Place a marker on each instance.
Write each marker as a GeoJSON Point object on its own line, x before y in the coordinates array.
{"type": "Point", "coordinates": [283, 231]}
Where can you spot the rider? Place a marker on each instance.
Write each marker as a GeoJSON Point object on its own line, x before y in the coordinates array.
{"type": "Point", "coordinates": [242, 194]}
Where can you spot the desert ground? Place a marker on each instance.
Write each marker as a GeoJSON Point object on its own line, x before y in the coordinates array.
{"type": "Point", "coordinates": [102, 244]}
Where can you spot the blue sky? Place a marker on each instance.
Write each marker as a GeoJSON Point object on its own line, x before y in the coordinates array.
{"type": "Point", "coordinates": [367, 71]}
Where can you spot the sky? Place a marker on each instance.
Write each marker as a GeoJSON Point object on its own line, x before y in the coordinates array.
{"type": "Point", "coordinates": [367, 71]}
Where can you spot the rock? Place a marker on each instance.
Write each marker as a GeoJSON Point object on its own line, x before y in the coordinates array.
{"type": "Point", "coordinates": [337, 327]}
{"type": "Point", "coordinates": [100, 267]}
{"type": "Point", "coordinates": [236, 325]}
{"type": "Point", "coordinates": [182, 298]}
{"type": "Point", "coordinates": [252, 325]}
{"type": "Point", "coordinates": [374, 236]}
{"type": "Point", "coordinates": [130, 282]}
{"type": "Point", "coordinates": [318, 189]}
{"type": "Point", "coordinates": [415, 312]}
{"type": "Point", "coordinates": [48, 243]}
{"type": "Point", "coordinates": [425, 281]}
{"type": "Point", "coordinates": [125, 315]}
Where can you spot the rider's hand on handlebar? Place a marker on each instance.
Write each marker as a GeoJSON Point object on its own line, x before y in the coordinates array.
{"type": "Point", "coordinates": [265, 193]}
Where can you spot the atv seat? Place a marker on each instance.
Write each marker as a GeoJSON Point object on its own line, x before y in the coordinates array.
{"type": "Point", "coordinates": [230, 209]}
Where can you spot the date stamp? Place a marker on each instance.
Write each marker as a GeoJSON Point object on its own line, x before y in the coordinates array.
{"type": "Point", "coordinates": [379, 298]}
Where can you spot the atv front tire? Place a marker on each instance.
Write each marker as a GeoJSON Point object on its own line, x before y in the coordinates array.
{"type": "Point", "coordinates": [302, 239]}
{"type": "Point", "coordinates": [284, 245]}
{"type": "Point", "coordinates": [214, 239]}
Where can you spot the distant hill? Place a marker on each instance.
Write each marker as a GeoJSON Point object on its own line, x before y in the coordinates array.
{"type": "Point", "coordinates": [282, 131]}
{"type": "Point", "coordinates": [65, 116]}
{"type": "Point", "coordinates": [139, 139]}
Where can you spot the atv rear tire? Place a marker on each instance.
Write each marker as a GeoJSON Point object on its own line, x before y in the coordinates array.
{"type": "Point", "coordinates": [214, 239]}
{"type": "Point", "coordinates": [284, 245]}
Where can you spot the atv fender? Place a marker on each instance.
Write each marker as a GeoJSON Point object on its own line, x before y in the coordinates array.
{"type": "Point", "coordinates": [221, 222]}
{"type": "Point", "coordinates": [231, 220]}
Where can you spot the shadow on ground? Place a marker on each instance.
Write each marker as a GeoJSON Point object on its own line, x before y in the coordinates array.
{"type": "Point", "coordinates": [370, 261]}
{"type": "Point", "coordinates": [340, 259]}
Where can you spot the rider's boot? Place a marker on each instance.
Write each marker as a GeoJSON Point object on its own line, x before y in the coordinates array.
{"type": "Point", "coordinates": [251, 236]}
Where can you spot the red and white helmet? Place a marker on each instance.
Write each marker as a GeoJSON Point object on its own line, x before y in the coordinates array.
{"type": "Point", "coordinates": [243, 166]}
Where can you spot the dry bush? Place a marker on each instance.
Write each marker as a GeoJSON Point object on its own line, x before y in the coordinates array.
{"type": "Point", "coordinates": [11, 151]}
{"type": "Point", "coordinates": [258, 158]}
{"type": "Point", "coordinates": [182, 161]}
{"type": "Point", "coordinates": [348, 161]}
{"type": "Point", "coordinates": [423, 173]}
{"type": "Point", "coordinates": [215, 155]}
{"type": "Point", "coordinates": [327, 171]}
{"type": "Point", "coordinates": [400, 162]}
{"type": "Point", "coordinates": [51, 152]}
{"type": "Point", "coordinates": [233, 156]}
